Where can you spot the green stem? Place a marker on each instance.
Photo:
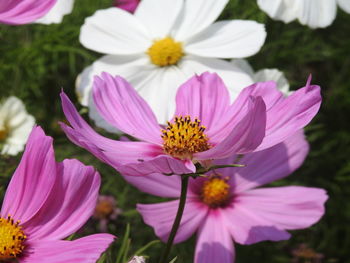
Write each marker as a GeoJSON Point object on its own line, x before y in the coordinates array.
{"type": "Point", "coordinates": [176, 224]}
{"type": "Point", "coordinates": [200, 171]}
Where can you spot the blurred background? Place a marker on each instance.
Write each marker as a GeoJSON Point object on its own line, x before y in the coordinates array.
{"type": "Point", "coordinates": [37, 61]}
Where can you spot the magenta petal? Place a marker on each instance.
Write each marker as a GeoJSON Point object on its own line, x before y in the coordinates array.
{"type": "Point", "coordinates": [214, 243]}
{"type": "Point", "coordinates": [84, 250]}
{"type": "Point", "coordinates": [246, 228]}
{"type": "Point", "coordinates": [17, 12]}
{"type": "Point", "coordinates": [290, 114]}
{"type": "Point", "coordinates": [268, 165]}
{"type": "Point", "coordinates": [264, 214]}
{"type": "Point", "coordinates": [33, 179]}
{"type": "Point", "coordinates": [244, 137]}
{"type": "Point", "coordinates": [164, 164]}
{"type": "Point", "coordinates": [127, 5]}
{"type": "Point", "coordinates": [70, 205]}
{"type": "Point", "coordinates": [290, 207]}
{"type": "Point", "coordinates": [161, 217]}
{"type": "Point", "coordinates": [114, 153]}
{"type": "Point", "coordinates": [204, 97]}
{"type": "Point", "coordinates": [157, 184]}
{"type": "Point", "coordinates": [123, 107]}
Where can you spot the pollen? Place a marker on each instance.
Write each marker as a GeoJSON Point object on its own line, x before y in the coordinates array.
{"type": "Point", "coordinates": [165, 52]}
{"type": "Point", "coordinates": [215, 192]}
{"type": "Point", "coordinates": [184, 137]}
{"type": "Point", "coordinates": [12, 238]}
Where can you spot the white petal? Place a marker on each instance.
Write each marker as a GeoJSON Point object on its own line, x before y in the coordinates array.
{"type": "Point", "coordinates": [284, 10]}
{"type": "Point", "coordinates": [345, 5]}
{"type": "Point", "coordinates": [276, 75]}
{"type": "Point", "coordinates": [264, 75]}
{"type": "Point", "coordinates": [114, 31]}
{"type": "Point", "coordinates": [158, 16]}
{"type": "Point", "coordinates": [234, 78]}
{"type": "Point", "coordinates": [317, 13]}
{"type": "Point", "coordinates": [125, 66]}
{"type": "Point", "coordinates": [18, 124]}
{"type": "Point", "coordinates": [243, 65]}
{"type": "Point", "coordinates": [18, 137]}
{"type": "Point", "coordinates": [196, 16]}
{"type": "Point", "coordinates": [55, 15]}
{"type": "Point", "coordinates": [228, 39]}
{"type": "Point", "coordinates": [158, 85]}
{"type": "Point", "coordinates": [160, 89]}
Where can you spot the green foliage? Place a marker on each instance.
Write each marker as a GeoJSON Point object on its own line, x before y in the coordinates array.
{"type": "Point", "coordinates": [37, 61]}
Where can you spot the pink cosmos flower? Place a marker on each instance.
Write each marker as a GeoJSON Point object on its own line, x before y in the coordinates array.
{"type": "Point", "coordinates": [16, 12]}
{"type": "Point", "coordinates": [46, 202]}
{"type": "Point", "coordinates": [226, 204]}
{"type": "Point", "coordinates": [205, 126]}
{"type": "Point", "coordinates": [127, 5]}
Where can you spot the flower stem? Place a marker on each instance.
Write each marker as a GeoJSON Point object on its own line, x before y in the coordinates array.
{"type": "Point", "coordinates": [176, 224]}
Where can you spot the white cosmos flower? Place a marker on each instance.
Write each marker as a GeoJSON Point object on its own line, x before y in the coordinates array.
{"type": "Point", "coordinates": [313, 13]}
{"type": "Point", "coordinates": [55, 15]}
{"type": "Point", "coordinates": [163, 44]}
{"type": "Point", "coordinates": [264, 75]}
{"type": "Point", "coordinates": [15, 125]}
{"type": "Point", "coordinates": [137, 259]}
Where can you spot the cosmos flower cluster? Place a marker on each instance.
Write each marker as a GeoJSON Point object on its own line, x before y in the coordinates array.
{"type": "Point", "coordinates": [174, 80]}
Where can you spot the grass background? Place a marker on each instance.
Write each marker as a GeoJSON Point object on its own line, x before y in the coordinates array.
{"type": "Point", "coordinates": [36, 61]}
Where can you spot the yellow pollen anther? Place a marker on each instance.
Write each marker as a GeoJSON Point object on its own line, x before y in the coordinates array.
{"type": "Point", "coordinates": [12, 238]}
{"type": "Point", "coordinates": [184, 137]}
{"type": "Point", "coordinates": [165, 52]}
{"type": "Point", "coordinates": [215, 192]}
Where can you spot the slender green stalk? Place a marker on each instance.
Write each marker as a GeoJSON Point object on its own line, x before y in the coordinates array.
{"type": "Point", "coordinates": [176, 224]}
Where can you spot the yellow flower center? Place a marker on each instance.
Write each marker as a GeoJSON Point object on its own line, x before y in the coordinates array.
{"type": "Point", "coordinates": [3, 134]}
{"type": "Point", "coordinates": [183, 138]}
{"type": "Point", "coordinates": [12, 238]}
{"type": "Point", "coordinates": [103, 209]}
{"type": "Point", "coordinates": [165, 52]}
{"type": "Point", "coordinates": [215, 192]}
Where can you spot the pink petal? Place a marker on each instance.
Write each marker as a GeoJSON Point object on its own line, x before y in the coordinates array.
{"type": "Point", "coordinates": [214, 243]}
{"type": "Point", "coordinates": [70, 205]}
{"type": "Point", "coordinates": [204, 97]}
{"type": "Point", "coordinates": [87, 249]}
{"type": "Point", "coordinates": [264, 214]}
{"type": "Point", "coordinates": [245, 136]}
{"type": "Point", "coordinates": [17, 12]}
{"type": "Point", "coordinates": [161, 217]}
{"type": "Point", "coordinates": [285, 115]}
{"type": "Point", "coordinates": [132, 158]}
{"type": "Point", "coordinates": [292, 207]}
{"type": "Point", "coordinates": [127, 5]}
{"type": "Point", "coordinates": [246, 228]}
{"type": "Point", "coordinates": [129, 158]}
{"type": "Point", "coordinates": [268, 165]}
{"type": "Point", "coordinates": [157, 184]}
{"type": "Point", "coordinates": [123, 107]}
{"type": "Point", "coordinates": [33, 179]}
{"type": "Point", "coordinates": [164, 164]}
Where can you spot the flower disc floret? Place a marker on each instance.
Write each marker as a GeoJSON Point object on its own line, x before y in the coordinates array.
{"type": "Point", "coordinates": [184, 137]}
{"type": "Point", "coordinates": [215, 192]}
{"type": "Point", "coordinates": [12, 238]}
{"type": "Point", "coordinates": [165, 52]}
